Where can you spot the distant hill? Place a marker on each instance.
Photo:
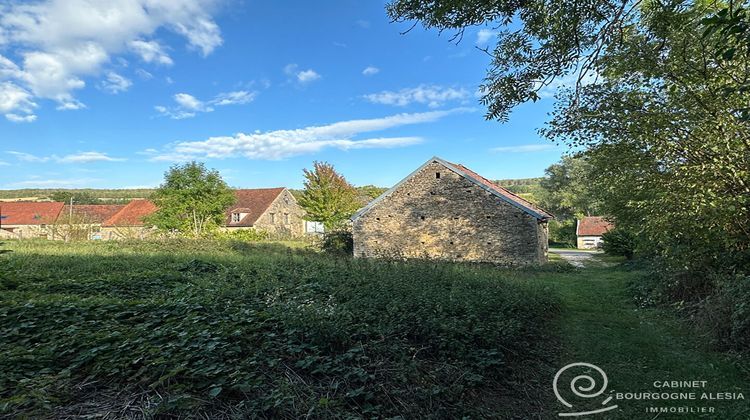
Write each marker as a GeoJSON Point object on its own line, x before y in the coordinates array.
{"type": "Point", "coordinates": [527, 188]}
{"type": "Point", "coordinates": [106, 195]}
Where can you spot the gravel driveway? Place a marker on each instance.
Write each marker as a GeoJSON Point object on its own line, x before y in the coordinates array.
{"type": "Point", "coordinates": [576, 258]}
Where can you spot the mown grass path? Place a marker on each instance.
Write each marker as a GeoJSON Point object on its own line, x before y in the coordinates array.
{"type": "Point", "coordinates": [636, 347]}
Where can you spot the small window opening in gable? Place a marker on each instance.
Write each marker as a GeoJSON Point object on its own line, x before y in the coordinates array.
{"type": "Point", "coordinates": [451, 242]}
{"type": "Point", "coordinates": [421, 217]}
{"type": "Point", "coordinates": [437, 175]}
{"type": "Point", "coordinates": [286, 218]}
{"type": "Point", "coordinates": [455, 218]}
{"type": "Point", "coordinates": [488, 216]}
{"type": "Point", "coordinates": [468, 191]}
{"type": "Point", "coordinates": [236, 217]}
{"type": "Point", "coordinates": [432, 192]}
{"type": "Point", "coordinates": [273, 217]}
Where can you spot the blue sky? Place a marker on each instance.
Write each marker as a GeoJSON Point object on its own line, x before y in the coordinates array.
{"type": "Point", "coordinates": [110, 95]}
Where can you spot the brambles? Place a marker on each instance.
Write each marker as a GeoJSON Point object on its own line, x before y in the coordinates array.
{"type": "Point", "coordinates": [225, 328]}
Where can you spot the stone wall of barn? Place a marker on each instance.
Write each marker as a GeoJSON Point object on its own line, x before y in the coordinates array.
{"type": "Point", "coordinates": [284, 217]}
{"type": "Point", "coordinates": [438, 214]}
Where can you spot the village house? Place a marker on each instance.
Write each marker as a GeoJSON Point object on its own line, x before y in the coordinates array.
{"type": "Point", "coordinates": [446, 211]}
{"type": "Point", "coordinates": [128, 222]}
{"type": "Point", "coordinates": [24, 220]}
{"type": "Point", "coordinates": [274, 210]}
{"type": "Point", "coordinates": [589, 231]}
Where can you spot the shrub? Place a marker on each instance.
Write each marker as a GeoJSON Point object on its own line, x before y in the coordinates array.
{"type": "Point", "coordinates": [562, 233]}
{"type": "Point", "coordinates": [621, 242]}
{"type": "Point", "coordinates": [243, 235]}
{"type": "Point", "coordinates": [338, 242]}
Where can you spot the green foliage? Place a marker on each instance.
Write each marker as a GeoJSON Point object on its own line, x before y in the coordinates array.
{"type": "Point", "coordinates": [338, 242]}
{"type": "Point", "coordinates": [79, 197]}
{"type": "Point", "coordinates": [537, 40]}
{"type": "Point", "coordinates": [566, 189]}
{"type": "Point", "coordinates": [562, 233]}
{"type": "Point", "coordinates": [243, 235]}
{"type": "Point", "coordinates": [328, 197]}
{"type": "Point", "coordinates": [663, 116]}
{"type": "Point", "coordinates": [192, 200]}
{"type": "Point", "coordinates": [368, 193]}
{"type": "Point", "coordinates": [191, 328]}
{"type": "Point", "coordinates": [527, 188]}
{"type": "Point", "coordinates": [620, 241]}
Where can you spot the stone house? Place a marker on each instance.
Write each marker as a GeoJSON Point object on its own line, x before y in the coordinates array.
{"type": "Point", "coordinates": [446, 211]}
{"type": "Point", "coordinates": [23, 220]}
{"type": "Point", "coordinates": [589, 231]}
{"type": "Point", "coordinates": [128, 222]}
{"type": "Point", "coordinates": [82, 221]}
{"type": "Point", "coordinates": [274, 210]}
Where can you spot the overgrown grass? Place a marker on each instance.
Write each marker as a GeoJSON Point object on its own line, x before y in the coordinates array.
{"type": "Point", "coordinates": [601, 324]}
{"type": "Point", "coordinates": [228, 329]}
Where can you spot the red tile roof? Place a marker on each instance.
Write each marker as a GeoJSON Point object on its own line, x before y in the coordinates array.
{"type": "Point", "coordinates": [505, 193]}
{"type": "Point", "coordinates": [593, 226]}
{"type": "Point", "coordinates": [132, 214]}
{"type": "Point", "coordinates": [92, 213]}
{"type": "Point", "coordinates": [254, 202]}
{"type": "Point", "coordinates": [29, 213]}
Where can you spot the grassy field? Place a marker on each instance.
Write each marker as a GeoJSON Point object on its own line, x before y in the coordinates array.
{"type": "Point", "coordinates": [220, 330]}
{"type": "Point", "coordinates": [223, 329]}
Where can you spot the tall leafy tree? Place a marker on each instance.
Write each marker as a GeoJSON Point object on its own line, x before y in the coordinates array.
{"type": "Point", "coordinates": [192, 200]}
{"type": "Point", "coordinates": [566, 189]}
{"type": "Point", "coordinates": [327, 196]}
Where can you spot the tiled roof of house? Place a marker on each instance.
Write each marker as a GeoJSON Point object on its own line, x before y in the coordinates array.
{"type": "Point", "coordinates": [29, 213]}
{"type": "Point", "coordinates": [253, 203]}
{"type": "Point", "coordinates": [505, 193]}
{"type": "Point", "coordinates": [92, 213]}
{"type": "Point", "coordinates": [132, 214]}
{"type": "Point", "coordinates": [593, 226]}
{"type": "Point", "coordinates": [477, 179]}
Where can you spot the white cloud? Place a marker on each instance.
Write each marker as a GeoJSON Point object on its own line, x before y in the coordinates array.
{"type": "Point", "coordinates": [20, 118]}
{"type": "Point", "coordinates": [3, 163]}
{"type": "Point", "coordinates": [189, 106]}
{"type": "Point", "coordinates": [370, 71]}
{"type": "Point", "coordinates": [60, 43]}
{"type": "Point", "coordinates": [143, 74]}
{"type": "Point", "coordinates": [525, 148]}
{"type": "Point", "coordinates": [27, 157]}
{"type": "Point", "coordinates": [484, 36]}
{"type": "Point", "coordinates": [114, 83]}
{"type": "Point", "coordinates": [279, 144]}
{"type": "Point", "coordinates": [87, 157]}
{"type": "Point", "coordinates": [82, 157]}
{"type": "Point", "coordinates": [189, 102]}
{"type": "Point", "coordinates": [430, 95]}
{"type": "Point", "coordinates": [301, 76]}
{"type": "Point", "coordinates": [306, 76]}
{"type": "Point", "coordinates": [151, 52]}
{"type": "Point", "coordinates": [364, 24]}
{"type": "Point", "coordinates": [234, 98]}
{"type": "Point", "coordinates": [15, 102]}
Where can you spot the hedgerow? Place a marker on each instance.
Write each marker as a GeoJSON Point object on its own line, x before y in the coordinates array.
{"type": "Point", "coordinates": [232, 330]}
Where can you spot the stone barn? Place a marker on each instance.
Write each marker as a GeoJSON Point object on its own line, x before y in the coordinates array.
{"type": "Point", "coordinates": [446, 211]}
